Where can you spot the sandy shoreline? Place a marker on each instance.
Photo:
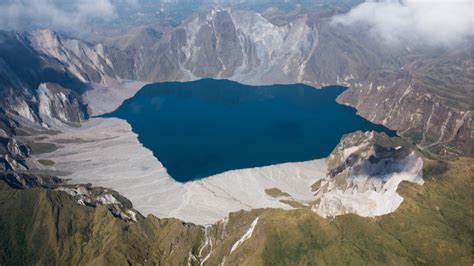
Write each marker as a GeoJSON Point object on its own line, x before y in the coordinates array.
{"type": "Point", "coordinates": [105, 152]}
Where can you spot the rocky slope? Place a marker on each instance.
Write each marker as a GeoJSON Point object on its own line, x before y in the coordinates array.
{"type": "Point", "coordinates": [364, 172]}
{"type": "Point", "coordinates": [240, 45]}
{"type": "Point", "coordinates": [12, 153]}
{"type": "Point", "coordinates": [43, 76]}
{"type": "Point", "coordinates": [51, 228]}
{"type": "Point", "coordinates": [34, 86]}
{"type": "Point", "coordinates": [428, 99]}
{"type": "Point", "coordinates": [257, 48]}
{"type": "Point", "coordinates": [84, 61]}
{"type": "Point", "coordinates": [36, 91]}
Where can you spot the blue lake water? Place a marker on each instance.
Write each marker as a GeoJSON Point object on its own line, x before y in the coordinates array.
{"type": "Point", "coordinates": [205, 127]}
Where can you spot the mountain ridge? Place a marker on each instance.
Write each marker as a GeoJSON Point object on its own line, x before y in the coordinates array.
{"type": "Point", "coordinates": [323, 55]}
{"type": "Point", "coordinates": [71, 233]}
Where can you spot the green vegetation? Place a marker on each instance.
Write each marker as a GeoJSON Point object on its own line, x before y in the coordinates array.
{"type": "Point", "coordinates": [39, 226]}
{"type": "Point", "coordinates": [41, 147]}
{"type": "Point", "coordinates": [46, 162]}
{"type": "Point", "coordinates": [32, 132]}
{"type": "Point", "coordinates": [276, 193]}
{"type": "Point", "coordinates": [433, 226]}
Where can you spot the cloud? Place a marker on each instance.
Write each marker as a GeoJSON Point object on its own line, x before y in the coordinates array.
{"type": "Point", "coordinates": [56, 14]}
{"type": "Point", "coordinates": [438, 23]}
{"type": "Point", "coordinates": [133, 3]}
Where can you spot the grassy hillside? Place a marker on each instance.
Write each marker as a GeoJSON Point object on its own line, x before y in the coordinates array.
{"type": "Point", "coordinates": [44, 227]}
{"type": "Point", "coordinates": [433, 226]}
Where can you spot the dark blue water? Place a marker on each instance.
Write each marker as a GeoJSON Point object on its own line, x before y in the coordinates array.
{"type": "Point", "coordinates": [201, 128]}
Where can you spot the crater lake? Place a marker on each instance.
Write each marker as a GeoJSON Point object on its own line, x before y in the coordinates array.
{"type": "Point", "coordinates": [205, 127]}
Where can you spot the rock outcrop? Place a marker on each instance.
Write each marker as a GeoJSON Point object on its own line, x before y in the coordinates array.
{"type": "Point", "coordinates": [428, 100]}
{"type": "Point", "coordinates": [83, 194]}
{"type": "Point", "coordinates": [35, 86]}
{"type": "Point", "coordinates": [364, 172]}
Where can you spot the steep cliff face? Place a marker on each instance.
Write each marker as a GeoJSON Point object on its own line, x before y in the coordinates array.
{"type": "Point", "coordinates": [36, 90]}
{"type": "Point", "coordinates": [409, 108]}
{"type": "Point", "coordinates": [85, 62]}
{"type": "Point", "coordinates": [48, 106]}
{"type": "Point", "coordinates": [421, 94]}
{"type": "Point", "coordinates": [36, 87]}
{"type": "Point", "coordinates": [427, 99]}
{"type": "Point", "coordinates": [259, 48]}
{"type": "Point", "coordinates": [57, 103]}
{"type": "Point", "coordinates": [225, 43]}
{"type": "Point", "coordinates": [364, 172]}
{"type": "Point", "coordinates": [12, 153]}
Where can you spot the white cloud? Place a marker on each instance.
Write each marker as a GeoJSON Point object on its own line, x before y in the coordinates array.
{"type": "Point", "coordinates": [133, 3]}
{"type": "Point", "coordinates": [56, 14]}
{"type": "Point", "coordinates": [96, 9]}
{"type": "Point", "coordinates": [440, 23]}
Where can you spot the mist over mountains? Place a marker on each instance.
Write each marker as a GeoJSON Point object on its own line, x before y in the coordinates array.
{"type": "Point", "coordinates": [436, 23]}
{"type": "Point", "coordinates": [82, 17]}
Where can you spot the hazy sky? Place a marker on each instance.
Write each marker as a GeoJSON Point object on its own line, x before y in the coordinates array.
{"type": "Point", "coordinates": [440, 23]}
{"type": "Point", "coordinates": [57, 14]}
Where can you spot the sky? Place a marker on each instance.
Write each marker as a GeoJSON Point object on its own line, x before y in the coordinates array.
{"type": "Point", "coordinates": [437, 23]}
{"type": "Point", "coordinates": [56, 14]}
